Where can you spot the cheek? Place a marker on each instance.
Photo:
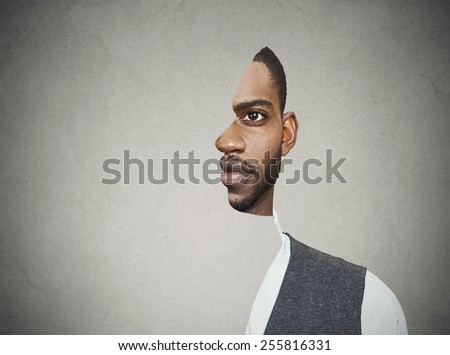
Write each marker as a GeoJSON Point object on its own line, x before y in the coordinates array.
{"type": "Point", "coordinates": [259, 145]}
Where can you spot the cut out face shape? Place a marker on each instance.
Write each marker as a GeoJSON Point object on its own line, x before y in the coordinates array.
{"type": "Point", "coordinates": [254, 142]}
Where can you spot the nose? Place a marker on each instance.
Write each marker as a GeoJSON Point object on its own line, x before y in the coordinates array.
{"type": "Point", "coordinates": [231, 141]}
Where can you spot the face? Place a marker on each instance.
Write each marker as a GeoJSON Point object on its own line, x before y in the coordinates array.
{"type": "Point", "coordinates": [252, 144]}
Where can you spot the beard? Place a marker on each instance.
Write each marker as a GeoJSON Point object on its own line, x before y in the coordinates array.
{"type": "Point", "coordinates": [271, 173]}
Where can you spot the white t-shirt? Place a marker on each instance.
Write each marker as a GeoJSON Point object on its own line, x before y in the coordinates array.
{"type": "Point", "coordinates": [381, 312]}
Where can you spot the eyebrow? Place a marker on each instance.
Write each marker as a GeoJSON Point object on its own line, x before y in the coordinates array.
{"type": "Point", "coordinates": [247, 104]}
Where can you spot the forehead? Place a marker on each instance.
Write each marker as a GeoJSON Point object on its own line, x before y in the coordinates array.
{"type": "Point", "coordinates": [256, 84]}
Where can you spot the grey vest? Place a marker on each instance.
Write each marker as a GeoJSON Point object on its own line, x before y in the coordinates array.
{"type": "Point", "coordinates": [320, 294]}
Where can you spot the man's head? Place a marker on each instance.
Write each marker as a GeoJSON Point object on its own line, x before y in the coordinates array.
{"type": "Point", "coordinates": [259, 135]}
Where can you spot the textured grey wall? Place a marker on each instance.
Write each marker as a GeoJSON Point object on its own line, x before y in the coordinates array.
{"type": "Point", "coordinates": [82, 81]}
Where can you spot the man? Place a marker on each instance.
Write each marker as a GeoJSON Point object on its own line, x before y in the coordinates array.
{"type": "Point", "coordinates": [304, 291]}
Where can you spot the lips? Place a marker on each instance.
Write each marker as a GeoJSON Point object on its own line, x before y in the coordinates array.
{"type": "Point", "coordinates": [236, 171]}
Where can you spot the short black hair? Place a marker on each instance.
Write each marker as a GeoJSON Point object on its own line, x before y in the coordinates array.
{"type": "Point", "coordinates": [268, 57]}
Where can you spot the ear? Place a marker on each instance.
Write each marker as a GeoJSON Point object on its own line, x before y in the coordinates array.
{"type": "Point", "coordinates": [290, 129]}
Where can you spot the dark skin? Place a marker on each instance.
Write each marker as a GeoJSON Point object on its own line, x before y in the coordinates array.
{"type": "Point", "coordinates": [258, 132]}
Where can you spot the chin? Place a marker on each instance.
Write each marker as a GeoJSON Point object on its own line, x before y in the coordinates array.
{"type": "Point", "coordinates": [252, 201]}
{"type": "Point", "coordinates": [240, 204]}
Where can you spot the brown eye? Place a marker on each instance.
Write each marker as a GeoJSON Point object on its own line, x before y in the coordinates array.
{"type": "Point", "coordinates": [253, 116]}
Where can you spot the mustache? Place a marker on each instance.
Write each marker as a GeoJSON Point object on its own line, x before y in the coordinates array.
{"type": "Point", "coordinates": [233, 163]}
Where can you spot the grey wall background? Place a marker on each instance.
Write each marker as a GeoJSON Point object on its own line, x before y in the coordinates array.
{"type": "Point", "coordinates": [82, 81]}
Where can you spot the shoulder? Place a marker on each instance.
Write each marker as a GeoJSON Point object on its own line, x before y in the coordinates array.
{"type": "Point", "coordinates": [381, 311]}
{"type": "Point", "coordinates": [327, 264]}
